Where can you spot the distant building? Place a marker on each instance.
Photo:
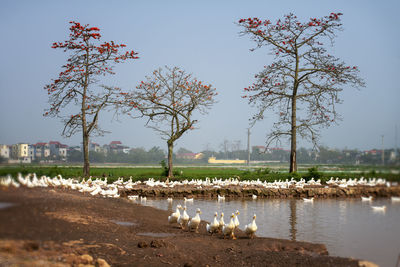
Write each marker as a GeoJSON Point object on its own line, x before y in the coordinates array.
{"type": "Point", "coordinates": [42, 150]}
{"type": "Point", "coordinates": [190, 156]}
{"type": "Point", "coordinates": [95, 147]}
{"type": "Point", "coordinates": [5, 151]}
{"type": "Point", "coordinates": [117, 147]}
{"type": "Point", "coordinates": [392, 155]}
{"type": "Point", "coordinates": [213, 160]}
{"type": "Point", "coordinates": [19, 151]}
{"type": "Point", "coordinates": [57, 149]}
{"type": "Point", "coordinates": [31, 152]}
{"type": "Point", "coordinates": [74, 148]}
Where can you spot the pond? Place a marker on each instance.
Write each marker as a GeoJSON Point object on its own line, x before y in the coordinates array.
{"type": "Point", "coordinates": [348, 227]}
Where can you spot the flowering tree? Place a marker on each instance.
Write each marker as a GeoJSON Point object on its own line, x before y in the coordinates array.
{"type": "Point", "coordinates": [74, 86]}
{"type": "Point", "coordinates": [169, 99]}
{"type": "Point", "coordinates": [303, 76]}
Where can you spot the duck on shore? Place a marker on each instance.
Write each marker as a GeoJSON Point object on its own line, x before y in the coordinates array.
{"type": "Point", "coordinates": [251, 228]}
{"type": "Point", "coordinates": [229, 229]}
{"type": "Point", "coordinates": [183, 219]}
{"type": "Point", "coordinates": [195, 222]}
{"type": "Point", "coordinates": [221, 221]}
{"type": "Point", "coordinates": [213, 227]}
{"type": "Point", "coordinates": [173, 218]}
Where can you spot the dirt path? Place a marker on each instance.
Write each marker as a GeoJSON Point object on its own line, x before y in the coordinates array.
{"type": "Point", "coordinates": [55, 227]}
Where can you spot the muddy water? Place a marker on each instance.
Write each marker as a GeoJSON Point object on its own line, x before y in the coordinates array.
{"type": "Point", "coordinates": [4, 205]}
{"type": "Point", "coordinates": [348, 227]}
{"type": "Point", "coordinates": [155, 234]}
{"type": "Point", "coordinates": [123, 223]}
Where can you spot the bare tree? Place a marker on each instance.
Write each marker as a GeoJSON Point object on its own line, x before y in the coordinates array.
{"type": "Point", "coordinates": [225, 147]}
{"type": "Point", "coordinates": [170, 98]}
{"type": "Point", "coordinates": [303, 83]}
{"type": "Point", "coordinates": [74, 86]}
{"type": "Point", "coordinates": [237, 145]}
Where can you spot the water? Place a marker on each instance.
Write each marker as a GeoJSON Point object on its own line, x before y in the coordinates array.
{"type": "Point", "coordinates": [4, 205]}
{"type": "Point", "coordinates": [155, 234]}
{"type": "Point", "coordinates": [123, 223]}
{"type": "Point", "coordinates": [348, 227]}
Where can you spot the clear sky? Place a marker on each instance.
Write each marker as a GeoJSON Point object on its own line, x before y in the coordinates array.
{"type": "Point", "coordinates": [202, 38]}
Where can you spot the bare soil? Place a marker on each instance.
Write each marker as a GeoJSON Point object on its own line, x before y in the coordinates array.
{"type": "Point", "coordinates": [56, 227]}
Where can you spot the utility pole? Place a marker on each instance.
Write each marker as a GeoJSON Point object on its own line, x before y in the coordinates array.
{"type": "Point", "coordinates": [395, 142]}
{"type": "Point", "coordinates": [248, 147]}
{"type": "Point", "coordinates": [383, 152]}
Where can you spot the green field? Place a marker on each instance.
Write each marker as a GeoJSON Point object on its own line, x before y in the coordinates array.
{"type": "Point", "coordinates": [273, 172]}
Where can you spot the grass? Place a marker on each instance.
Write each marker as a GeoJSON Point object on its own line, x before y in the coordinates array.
{"type": "Point", "coordinates": [181, 173]}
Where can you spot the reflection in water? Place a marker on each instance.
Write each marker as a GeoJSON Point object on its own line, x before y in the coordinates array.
{"type": "Point", "coordinates": [292, 219]}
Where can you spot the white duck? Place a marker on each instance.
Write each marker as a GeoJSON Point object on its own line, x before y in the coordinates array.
{"type": "Point", "coordinates": [214, 226]}
{"type": "Point", "coordinates": [395, 199]}
{"type": "Point", "coordinates": [379, 208]}
{"type": "Point", "coordinates": [251, 228]}
{"type": "Point", "coordinates": [221, 221]}
{"type": "Point", "coordinates": [184, 218]}
{"type": "Point", "coordinates": [221, 198]}
{"type": "Point", "coordinates": [237, 219]}
{"type": "Point", "coordinates": [195, 221]}
{"type": "Point", "coordinates": [308, 200]}
{"type": "Point", "coordinates": [173, 218]}
{"type": "Point", "coordinates": [254, 197]}
{"type": "Point", "coordinates": [228, 229]}
{"type": "Point", "coordinates": [133, 197]}
{"type": "Point", "coordinates": [366, 198]}
{"type": "Point", "coordinates": [189, 200]}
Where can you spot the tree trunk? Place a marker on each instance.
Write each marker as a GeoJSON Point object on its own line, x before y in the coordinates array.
{"type": "Point", "coordinates": [86, 164]}
{"type": "Point", "coordinates": [293, 161]}
{"type": "Point", "coordinates": [170, 153]}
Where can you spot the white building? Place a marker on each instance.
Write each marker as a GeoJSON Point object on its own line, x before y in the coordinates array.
{"type": "Point", "coordinates": [5, 151]}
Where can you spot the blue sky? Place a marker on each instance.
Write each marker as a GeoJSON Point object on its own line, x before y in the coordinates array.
{"type": "Point", "coordinates": [202, 38]}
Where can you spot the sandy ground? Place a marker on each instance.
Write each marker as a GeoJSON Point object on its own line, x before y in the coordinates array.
{"type": "Point", "coordinates": [56, 227]}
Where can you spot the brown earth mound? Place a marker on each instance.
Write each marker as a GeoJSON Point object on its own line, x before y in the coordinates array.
{"type": "Point", "coordinates": [55, 227]}
{"type": "Point", "coordinates": [248, 192]}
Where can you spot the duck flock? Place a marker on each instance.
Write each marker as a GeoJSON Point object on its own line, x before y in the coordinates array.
{"type": "Point", "coordinates": [216, 226]}
{"type": "Point", "coordinates": [101, 187]}
{"type": "Point", "coordinates": [96, 186]}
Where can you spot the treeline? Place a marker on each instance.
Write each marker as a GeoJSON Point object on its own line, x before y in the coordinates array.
{"type": "Point", "coordinates": [305, 156]}
{"type": "Point", "coordinates": [135, 156]}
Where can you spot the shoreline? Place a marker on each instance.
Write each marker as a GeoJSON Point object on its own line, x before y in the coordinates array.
{"type": "Point", "coordinates": [61, 226]}
{"type": "Point", "coordinates": [248, 192]}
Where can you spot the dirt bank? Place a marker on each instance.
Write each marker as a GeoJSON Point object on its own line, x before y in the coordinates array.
{"type": "Point", "coordinates": [55, 227]}
{"type": "Point", "coordinates": [239, 192]}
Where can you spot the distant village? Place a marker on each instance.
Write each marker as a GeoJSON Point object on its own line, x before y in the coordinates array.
{"type": "Point", "coordinates": [52, 151]}
{"type": "Point", "coordinates": [116, 152]}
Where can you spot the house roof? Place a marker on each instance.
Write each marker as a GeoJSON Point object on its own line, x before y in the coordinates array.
{"type": "Point", "coordinates": [116, 143]}
{"type": "Point", "coordinates": [54, 143]}
{"type": "Point", "coordinates": [40, 144]}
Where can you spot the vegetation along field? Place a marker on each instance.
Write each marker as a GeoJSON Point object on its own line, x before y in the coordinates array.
{"type": "Point", "coordinates": [271, 173]}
